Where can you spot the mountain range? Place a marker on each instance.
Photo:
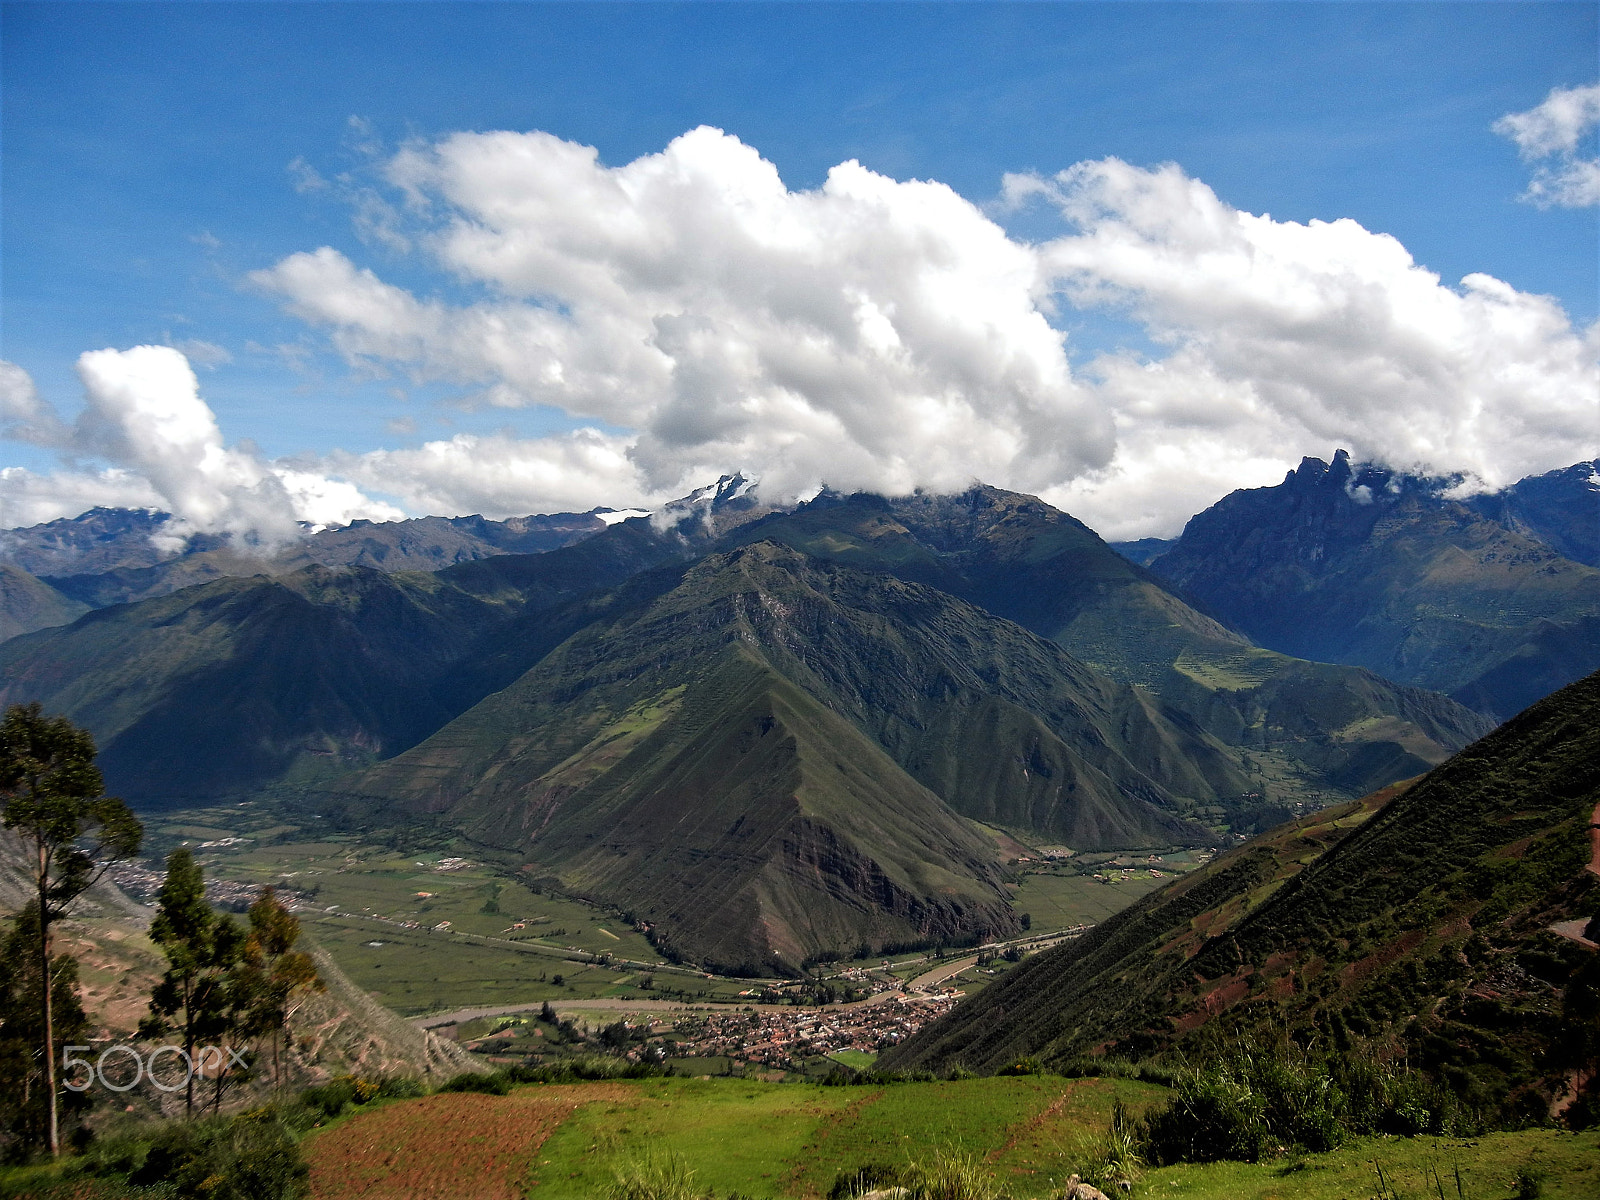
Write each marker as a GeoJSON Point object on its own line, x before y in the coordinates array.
{"type": "Point", "coordinates": [772, 735]}
{"type": "Point", "coordinates": [1494, 600]}
{"type": "Point", "coordinates": [111, 556]}
{"type": "Point", "coordinates": [1453, 921]}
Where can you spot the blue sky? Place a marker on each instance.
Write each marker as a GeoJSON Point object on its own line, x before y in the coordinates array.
{"type": "Point", "coordinates": [147, 151]}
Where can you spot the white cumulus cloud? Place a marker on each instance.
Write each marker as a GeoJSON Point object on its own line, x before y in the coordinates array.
{"type": "Point", "coordinates": [889, 334]}
{"type": "Point", "coordinates": [1285, 338]}
{"type": "Point", "coordinates": [502, 476]}
{"type": "Point", "coordinates": [1556, 129]}
{"type": "Point", "coordinates": [144, 416]}
{"type": "Point", "coordinates": [692, 315]}
{"type": "Point", "coordinates": [870, 333]}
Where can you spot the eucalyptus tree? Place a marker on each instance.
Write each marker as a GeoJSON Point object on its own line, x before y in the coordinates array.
{"type": "Point", "coordinates": [272, 973]}
{"type": "Point", "coordinates": [54, 800]}
{"type": "Point", "coordinates": [194, 996]}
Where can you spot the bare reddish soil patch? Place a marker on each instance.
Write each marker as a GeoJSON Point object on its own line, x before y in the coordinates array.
{"type": "Point", "coordinates": [445, 1146]}
{"type": "Point", "coordinates": [1358, 972]}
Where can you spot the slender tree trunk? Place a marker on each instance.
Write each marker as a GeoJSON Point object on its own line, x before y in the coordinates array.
{"type": "Point", "coordinates": [216, 1095]}
{"type": "Point", "coordinates": [188, 1048]}
{"type": "Point", "coordinates": [44, 985]}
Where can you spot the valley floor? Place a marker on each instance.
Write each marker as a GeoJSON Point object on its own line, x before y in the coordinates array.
{"type": "Point", "coordinates": [758, 1140]}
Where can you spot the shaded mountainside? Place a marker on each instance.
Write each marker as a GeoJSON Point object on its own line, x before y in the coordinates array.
{"type": "Point", "coordinates": [1312, 731]}
{"type": "Point", "coordinates": [28, 603]}
{"type": "Point", "coordinates": [791, 741]}
{"type": "Point", "coordinates": [1422, 915]}
{"type": "Point", "coordinates": [112, 556]}
{"type": "Point", "coordinates": [1361, 566]}
{"type": "Point", "coordinates": [1559, 508]}
{"type": "Point", "coordinates": [244, 681]}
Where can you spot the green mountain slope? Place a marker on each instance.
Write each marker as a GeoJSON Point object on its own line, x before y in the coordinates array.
{"type": "Point", "coordinates": [1310, 731]}
{"type": "Point", "coordinates": [216, 689]}
{"type": "Point", "coordinates": [1361, 566]}
{"type": "Point", "coordinates": [229, 685]}
{"type": "Point", "coordinates": [1424, 916]}
{"type": "Point", "coordinates": [28, 603]}
{"type": "Point", "coordinates": [879, 701]}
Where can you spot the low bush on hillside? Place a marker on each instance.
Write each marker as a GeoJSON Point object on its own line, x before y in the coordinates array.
{"type": "Point", "coordinates": [1258, 1104]}
{"type": "Point", "coordinates": [252, 1156]}
{"type": "Point", "coordinates": [842, 1076]}
{"type": "Point", "coordinates": [585, 1068]}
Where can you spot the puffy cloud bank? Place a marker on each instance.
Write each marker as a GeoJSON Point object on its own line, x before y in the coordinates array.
{"type": "Point", "coordinates": [145, 417]}
{"type": "Point", "coordinates": [870, 333]}
{"type": "Point", "coordinates": [1285, 338]}
{"type": "Point", "coordinates": [1551, 134]}
{"type": "Point", "coordinates": [693, 315]}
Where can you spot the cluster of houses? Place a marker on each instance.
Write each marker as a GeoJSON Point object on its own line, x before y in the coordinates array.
{"type": "Point", "coordinates": [143, 883]}
{"type": "Point", "coordinates": [776, 1039]}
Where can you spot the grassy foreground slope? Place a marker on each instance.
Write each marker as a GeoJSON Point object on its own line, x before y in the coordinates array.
{"type": "Point", "coordinates": [735, 1137]}
{"type": "Point", "coordinates": [1421, 918]}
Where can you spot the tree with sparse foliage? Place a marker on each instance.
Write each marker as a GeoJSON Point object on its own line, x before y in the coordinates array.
{"type": "Point", "coordinates": [24, 1104]}
{"type": "Point", "coordinates": [54, 800]}
{"type": "Point", "coordinates": [272, 973]}
{"type": "Point", "coordinates": [202, 948]}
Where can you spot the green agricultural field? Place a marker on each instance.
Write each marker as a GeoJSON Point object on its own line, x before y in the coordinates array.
{"type": "Point", "coordinates": [424, 923]}
{"type": "Point", "coordinates": [430, 925]}
{"type": "Point", "coordinates": [1060, 899]}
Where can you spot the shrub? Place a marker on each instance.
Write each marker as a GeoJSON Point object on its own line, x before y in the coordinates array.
{"type": "Point", "coordinates": [586, 1067]}
{"type": "Point", "coordinates": [1021, 1066]}
{"type": "Point", "coordinates": [401, 1087]}
{"type": "Point", "coordinates": [249, 1157]}
{"type": "Point", "coordinates": [1215, 1115]}
{"type": "Point", "coordinates": [497, 1084]}
{"type": "Point", "coordinates": [1258, 1103]}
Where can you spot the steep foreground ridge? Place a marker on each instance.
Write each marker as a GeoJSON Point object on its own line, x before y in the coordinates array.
{"type": "Point", "coordinates": [1444, 920]}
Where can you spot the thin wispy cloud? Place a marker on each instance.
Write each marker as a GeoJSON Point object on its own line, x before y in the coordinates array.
{"type": "Point", "coordinates": [1554, 135]}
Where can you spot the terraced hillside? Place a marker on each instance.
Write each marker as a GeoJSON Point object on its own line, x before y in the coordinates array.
{"type": "Point", "coordinates": [1450, 915]}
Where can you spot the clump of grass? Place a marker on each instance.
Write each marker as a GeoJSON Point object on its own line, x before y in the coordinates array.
{"type": "Point", "coordinates": [653, 1177]}
{"type": "Point", "coordinates": [952, 1175]}
{"type": "Point", "coordinates": [1114, 1158]}
{"type": "Point", "coordinates": [949, 1175]}
{"type": "Point", "coordinates": [870, 1177]}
